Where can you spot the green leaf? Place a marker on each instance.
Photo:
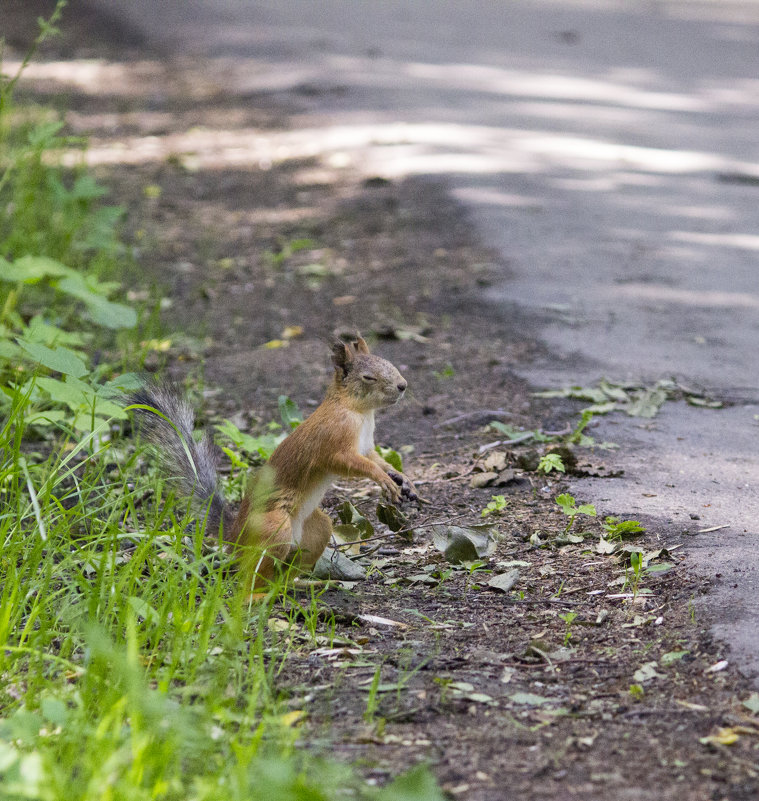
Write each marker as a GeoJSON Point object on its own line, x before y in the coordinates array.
{"type": "Point", "coordinates": [31, 269]}
{"type": "Point", "coordinates": [697, 400]}
{"type": "Point", "coordinates": [391, 457]}
{"type": "Point", "coordinates": [54, 710]}
{"type": "Point", "coordinates": [349, 515]}
{"type": "Point", "coordinates": [497, 504]}
{"type": "Point", "coordinates": [391, 516]}
{"type": "Point", "coordinates": [587, 509]}
{"type": "Point", "coordinates": [416, 785]}
{"type": "Point", "coordinates": [566, 502]}
{"type": "Point", "coordinates": [752, 703]}
{"type": "Point", "coordinates": [647, 403]}
{"type": "Point", "coordinates": [44, 134]}
{"type": "Point", "coordinates": [662, 567]}
{"type": "Point", "coordinates": [86, 188]}
{"type": "Point", "coordinates": [103, 311]}
{"type": "Point", "coordinates": [551, 461]}
{"type": "Point", "coordinates": [262, 446]}
{"type": "Point", "coordinates": [47, 418]}
{"type": "Point", "coordinates": [530, 699]}
{"type": "Point", "coordinates": [143, 609]}
{"type": "Point", "coordinates": [59, 359]}
{"type": "Point", "coordinates": [69, 394]}
{"type": "Point", "coordinates": [289, 412]}
{"type": "Point", "coordinates": [622, 528]}
{"type": "Point", "coordinates": [672, 657]}
{"type": "Point", "coordinates": [37, 330]}
{"type": "Point", "coordinates": [9, 350]}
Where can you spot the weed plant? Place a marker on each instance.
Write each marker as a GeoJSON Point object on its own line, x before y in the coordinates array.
{"type": "Point", "coordinates": [131, 665]}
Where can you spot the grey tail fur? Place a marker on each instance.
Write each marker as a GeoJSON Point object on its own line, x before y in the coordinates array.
{"type": "Point", "coordinates": [168, 423]}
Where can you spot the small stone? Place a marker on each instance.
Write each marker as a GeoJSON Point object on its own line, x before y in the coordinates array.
{"type": "Point", "coordinates": [494, 461]}
{"type": "Point", "coordinates": [505, 477]}
{"type": "Point", "coordinates": [480, 480]}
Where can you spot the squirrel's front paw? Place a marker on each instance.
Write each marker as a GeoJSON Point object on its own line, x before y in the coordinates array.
{"type": "Point", "coordinates": [407, 489]}
{"type": "Point", "coordinates": [392, 486]}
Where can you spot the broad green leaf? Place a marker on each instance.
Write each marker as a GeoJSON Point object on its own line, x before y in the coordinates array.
{"type": "Point", "coordinates": [37, 330]}
{"type": "Point", "coordinates": [103, 311]}
{"type": "Point", "coordinates": [31, 269]}
{"type": "Point", "coordinates": [262, 446]}
{"type": "Point", "coordinates": [54, 710]}
{"type": "Point", "coordinates": [9, 350]}
{"type": "Point", "coordinates": [9, 756]}
{"type": "Point", "coordinates": [69, 394]}
{"type": "Point", "coordinates": [48, 418]}
{"type": "Point", "coordinates": [60, 359]}
{"type": "Point", "coordinates": [143, 609]}
{"type": "Point", "coordinates": [551, 461]}
{"type": "Point", "coordinates": [391, 457]}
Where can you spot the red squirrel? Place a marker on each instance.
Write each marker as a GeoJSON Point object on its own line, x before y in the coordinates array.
{"type": "Point", "coordinates": [335, 441]}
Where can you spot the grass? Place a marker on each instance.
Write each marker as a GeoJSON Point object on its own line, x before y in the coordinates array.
{"type": "Point", "coordinates": [132, 667]}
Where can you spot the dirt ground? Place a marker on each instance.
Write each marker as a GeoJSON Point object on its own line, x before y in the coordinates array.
{"type": "Point", "coordinates": [505, 694]}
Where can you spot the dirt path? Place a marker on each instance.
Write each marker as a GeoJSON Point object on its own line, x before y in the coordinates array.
{"type": "Point", "coordinates": [580, 683]}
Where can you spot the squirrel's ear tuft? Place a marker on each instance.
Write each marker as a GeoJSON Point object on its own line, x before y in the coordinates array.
{"type": "Point", "coordinates": [360, 344]}
{"type": "Point", "coordinates": [342, 357]}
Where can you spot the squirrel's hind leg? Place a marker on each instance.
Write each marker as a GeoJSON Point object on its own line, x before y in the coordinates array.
{"type": "Point", "coordinates": [317, 531]}
{"type": "Point", "coordinates": [266, 546]}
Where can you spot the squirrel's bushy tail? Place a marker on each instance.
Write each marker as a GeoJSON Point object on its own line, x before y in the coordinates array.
{"type": "Point", "coordinates": [168, 423]}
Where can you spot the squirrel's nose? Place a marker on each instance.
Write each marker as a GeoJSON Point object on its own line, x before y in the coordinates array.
{"type": "Point", "coordinates": [402, 386]}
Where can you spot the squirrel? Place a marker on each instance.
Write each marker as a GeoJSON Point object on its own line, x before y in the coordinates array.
{"type": "Point", "coordinates": [335, 441]}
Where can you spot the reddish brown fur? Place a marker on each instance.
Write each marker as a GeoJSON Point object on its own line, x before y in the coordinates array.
{"type": "Point", "coordinates": [326, 444]}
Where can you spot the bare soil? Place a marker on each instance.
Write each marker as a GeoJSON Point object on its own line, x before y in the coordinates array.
{"type": "Point", "coordinates": [503, 696]}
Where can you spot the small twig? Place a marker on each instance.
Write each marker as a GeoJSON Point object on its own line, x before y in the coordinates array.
{"type": "Point", "coordinates": [479, 413]}
{"type": "Point", "coordinates": [564, 431]}
{"type": "Point", "coordinates": [428, 524]}
{"type": "Point", "coordinates": [515, 441]}
{"type": "Point", "coordinates": [543, 655]}
{"type": "Point", "coordinates": [367, 539]}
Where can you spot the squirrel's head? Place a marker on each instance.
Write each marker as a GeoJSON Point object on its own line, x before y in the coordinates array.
{"type": "Point", "coordinates": [369, 381]}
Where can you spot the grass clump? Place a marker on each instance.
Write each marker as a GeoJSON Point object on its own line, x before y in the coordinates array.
{"type": "Point", "coordinates": [132, 666]}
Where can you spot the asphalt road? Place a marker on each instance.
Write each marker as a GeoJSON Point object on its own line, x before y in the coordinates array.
{"type": "Point", "coordinates": [609, 151]}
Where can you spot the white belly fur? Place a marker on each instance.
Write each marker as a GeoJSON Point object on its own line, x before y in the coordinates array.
{"type": "Point", "coordinates": [308, 506]}
{"type": "Point", "coordinates": [365, 446]}
{"type": "Point", "coordinates": [366, 435]}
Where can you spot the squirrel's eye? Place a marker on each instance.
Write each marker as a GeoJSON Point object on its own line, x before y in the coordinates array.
{"type": "Point", "coordinates": [368, 378]}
